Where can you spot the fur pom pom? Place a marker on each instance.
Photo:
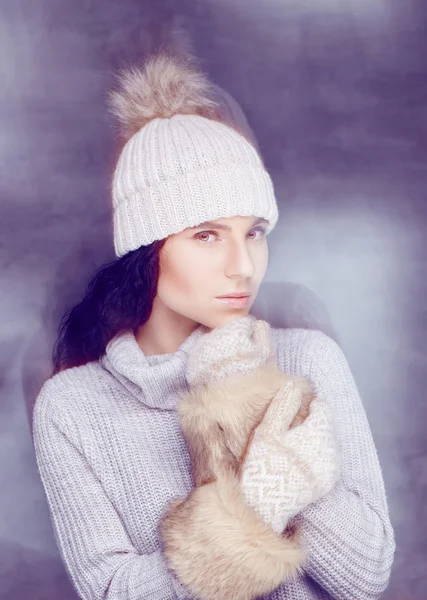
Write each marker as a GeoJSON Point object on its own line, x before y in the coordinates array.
{"type": "Point", "coordinates": [164, 86]}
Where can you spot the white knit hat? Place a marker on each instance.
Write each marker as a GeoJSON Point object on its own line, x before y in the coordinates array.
{"type": "Point", "coordinates": [180, 165]}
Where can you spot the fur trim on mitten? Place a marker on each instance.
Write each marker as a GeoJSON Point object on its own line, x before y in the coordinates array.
{"type": "Point", "coordinates": [219, 419]}
{"type": "Point", "coordinates": [220, 549]}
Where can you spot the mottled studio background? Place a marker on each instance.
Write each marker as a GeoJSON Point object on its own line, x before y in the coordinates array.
{"type": "Point", "coordinates": [335, 91]}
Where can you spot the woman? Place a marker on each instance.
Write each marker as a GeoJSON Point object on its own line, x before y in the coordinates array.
{"type": "Point", "coordinates": [193, 205]}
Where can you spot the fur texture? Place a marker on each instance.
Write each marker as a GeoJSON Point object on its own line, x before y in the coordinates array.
{"type": "Point", "coordinates": [218, 420]}
{"type": "Point", "coordinates": [164, 86]}
{"type": "Point", "coordinates": [220, 549]}
{"type": "Point", "coordinates": [215, 543]}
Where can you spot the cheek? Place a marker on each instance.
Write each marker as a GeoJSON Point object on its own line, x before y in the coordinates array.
{"type": "Point", "coordinates": [173, 281]}
{"type": "Point", "coordinates": [260, 259]}
{"type": "Point", "coordinates": [180, 274]}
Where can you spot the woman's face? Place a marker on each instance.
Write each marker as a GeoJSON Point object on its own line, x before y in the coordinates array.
{"type": "Point", "coordinates": [197, 265]}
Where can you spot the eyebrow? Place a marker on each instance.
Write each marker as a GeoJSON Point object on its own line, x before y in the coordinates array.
{"type": "Point", "coordinates": [224, 227]}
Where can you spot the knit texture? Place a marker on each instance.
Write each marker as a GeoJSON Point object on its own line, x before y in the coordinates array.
{"type": "Point", "coordinates": [111, 456]}
{"type": "Point", "coordinates": [180, 165]}
{"type": "Point", "coordinates": [285, 469]}
{"type": "Point", "coordinates": [176, 173]}
{"type": "Point", "coordinates": [240, 346]}
{"type": "Point", "coordinates": [288, 469]}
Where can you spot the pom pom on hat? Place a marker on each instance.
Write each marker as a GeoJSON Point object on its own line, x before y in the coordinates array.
{"type": "Point", "coordinates": [180, 164]}
{"type": "Point", "coordinates": [165, 86]}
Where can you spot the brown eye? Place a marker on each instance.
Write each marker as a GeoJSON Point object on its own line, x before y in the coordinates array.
{"type": "Point", "coordinates": [206, 233]}
{"type": "Point", "coordinates": [261, 230]}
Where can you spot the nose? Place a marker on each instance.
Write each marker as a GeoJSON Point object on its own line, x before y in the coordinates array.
{"type": "Point", "coordinates": [239, 262]}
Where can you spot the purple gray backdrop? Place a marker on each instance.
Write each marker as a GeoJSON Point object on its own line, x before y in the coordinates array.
{"type": "Point", "coordinates": [336, 93]}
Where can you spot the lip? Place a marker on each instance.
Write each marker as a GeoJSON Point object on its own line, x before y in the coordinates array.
{"type": "Point", "coordinates": [235, 295]}
{"type": "Point", "coordinates": [235, 301]}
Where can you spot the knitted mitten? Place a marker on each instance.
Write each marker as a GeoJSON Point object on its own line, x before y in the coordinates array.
{"type": "Point", "coordinates": [233, 378]}
{"type": "Point", "coordinates": [208, 537]}
{"type": "Point", "coordinates": [275, 484]}
{"type": "Point", "coordinates": [286, 469]}
{"type": "Point", "coordinates": [239, 346]}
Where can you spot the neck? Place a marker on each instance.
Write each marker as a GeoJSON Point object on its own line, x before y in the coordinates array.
{"type": "Point", "coordinates": [164, 331]}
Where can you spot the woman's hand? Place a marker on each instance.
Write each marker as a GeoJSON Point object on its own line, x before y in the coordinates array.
{"type": "Point", "coordinates": [240, 346]}
{"type": "Point", "coordinates": [233, 380]}
{"type": "Point", "coordinates": [220, 549]}
{"type": "Point", "coordinates": [286, 468]}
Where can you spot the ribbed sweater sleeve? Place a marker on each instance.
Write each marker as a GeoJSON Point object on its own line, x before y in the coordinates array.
{"type": "Point", "coordinates": [349, 537]}
{"type": "Point", "coordinates": [97, 552]}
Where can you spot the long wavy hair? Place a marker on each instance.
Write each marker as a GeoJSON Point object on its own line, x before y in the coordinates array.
{"type": "Point", "coordinates": [120, 296]}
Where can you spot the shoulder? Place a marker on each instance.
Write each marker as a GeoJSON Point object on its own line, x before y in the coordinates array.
{"type": "Point", "coordinates": [71, 392]}
{"type": "Point", "coordinates": [299, 336]}
{"type": "Point", "coordinates": [303, 351]}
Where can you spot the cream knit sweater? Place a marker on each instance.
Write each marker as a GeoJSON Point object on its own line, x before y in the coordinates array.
{"type": "Point", "coordinates": [111, 456]}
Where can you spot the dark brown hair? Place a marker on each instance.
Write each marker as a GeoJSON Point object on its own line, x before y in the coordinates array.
{"type": "Point", "coordinates": [120, 296]}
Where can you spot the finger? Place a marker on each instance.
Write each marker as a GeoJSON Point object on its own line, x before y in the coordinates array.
{"type": "Point", "coordinates": [317, 426]}
{"type": "Point", "coordinates": [238, 324]}
{"type": "Point", "coordinates": [262, 336]}
{"type": "Point", "coordinates": [318, 414]}
{"type": "Point", "coordinates": [281, 412]}
{"type": "Point", "coordinates": [304, 410]}
{"type": "Point", "coordinates": [235, 333]}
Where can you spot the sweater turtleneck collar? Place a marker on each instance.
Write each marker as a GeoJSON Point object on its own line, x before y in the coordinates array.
{"type": "Point", "coordinates": [155, 380]}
